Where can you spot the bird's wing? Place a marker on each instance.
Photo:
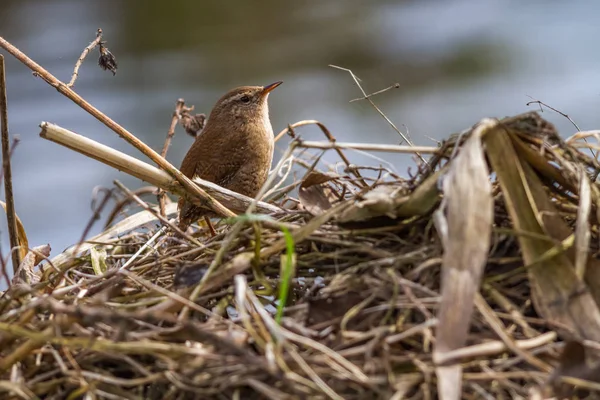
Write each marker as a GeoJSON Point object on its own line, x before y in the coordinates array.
{"type": "Point", "coordinates": [220, 174]}
{"type": "Point", "coordinates": [201, 160]}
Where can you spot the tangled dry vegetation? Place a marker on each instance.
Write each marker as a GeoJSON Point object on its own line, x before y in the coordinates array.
{"type": "Point", "coordinates": [475, 278]}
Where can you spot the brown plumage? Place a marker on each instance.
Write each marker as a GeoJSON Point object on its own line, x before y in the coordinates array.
{"type": "Point", "coordinates": [235, 148]}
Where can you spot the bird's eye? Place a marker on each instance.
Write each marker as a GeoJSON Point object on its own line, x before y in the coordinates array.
{"type": "Point", "coordinates": [245, 99]}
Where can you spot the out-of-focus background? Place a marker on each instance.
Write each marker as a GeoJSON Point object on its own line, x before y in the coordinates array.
{"type": "Point", "coordinates": [455, 61]}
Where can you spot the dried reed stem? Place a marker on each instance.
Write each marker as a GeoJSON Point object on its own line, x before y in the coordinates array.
{"type": "Point", "coordinates": [329, 137]}
{"type": "Point", "coordinates": [11, 215]}
{"type": "Point", "coordinates": [387, 148]}
{"type": "Point", "coordinates": [144, 171]}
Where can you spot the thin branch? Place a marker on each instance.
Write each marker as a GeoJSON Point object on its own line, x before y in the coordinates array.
{"type": "Point", "coordinates": [387, 148]}
{"type": "Point", "coordinates": [160, 217]}
{"type": "Point", "coordinates": [176, 116]}
{"type": "Point", "coordinates": [329, 136]}
{"type": "Point", "coordinates": [122, 203]}
{"type": "Point", "coordinates": [189, 187]}
{"type": "Point", "coordinates": [368, 98]}
{"type": "Point", "coordinates": [83, 55]}
{"type": "Point", "coordinates": [394, 86]}
{"type": "Point", "coordinates": [11, 214]}
{"type": "Point", "coordinates": [96, 214]}
{"type": "Point", "coordinates": [541, 103]}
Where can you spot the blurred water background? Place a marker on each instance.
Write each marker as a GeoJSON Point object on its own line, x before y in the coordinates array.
{"type": "Point", "coordinates": [455, 61]}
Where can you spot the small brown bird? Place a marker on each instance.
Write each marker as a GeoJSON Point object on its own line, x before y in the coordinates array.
{"type": "Point", "coordinates": [235, 148]}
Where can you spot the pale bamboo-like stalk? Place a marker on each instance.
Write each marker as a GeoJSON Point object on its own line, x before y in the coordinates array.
{"type": "Point", "coordinates": [144, 171]}
{"type": "Point", "coordinates": [386, 148]}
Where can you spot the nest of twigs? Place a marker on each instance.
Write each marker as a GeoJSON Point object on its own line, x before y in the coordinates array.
{"type": "Point", "coordinates": [475, 278]}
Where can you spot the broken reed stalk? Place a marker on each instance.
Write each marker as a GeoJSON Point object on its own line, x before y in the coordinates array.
{"type": "Point", "coordinates": [62, 88]}
{"type": "Point", "coordinates": [388, 148]}
{"type": "Point", "coordinates": [144, 171]}
{"type": "Point", "coordinates": [11, 215]}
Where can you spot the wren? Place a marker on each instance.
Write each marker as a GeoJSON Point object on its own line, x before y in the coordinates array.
{"type": "Point", "coordinates": [235, 148]}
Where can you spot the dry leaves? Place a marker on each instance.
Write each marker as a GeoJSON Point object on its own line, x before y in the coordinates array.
{"type": "Point", "coordinates": [21, 234]}
{"type": "Point", "coordinates": [30, 261]}
{"type": "Point", "coordinates": [464, 222]}
{"type": "Point", "coordinates": [315, 195]}
{"type": "Point", "coordinates": [557, 293]}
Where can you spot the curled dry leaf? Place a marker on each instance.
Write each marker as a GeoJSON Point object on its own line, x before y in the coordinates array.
{"type": "Point", "coordinates": [26, 269]}
{"type": "Point", "coordinates": [98, 258]}
{"type": "Point", "coordinates": [21, 235]}
{"type": "Point", "coordinates": [42, 252]}
{"type": "Point", "coordinates": [378, 202]}
{"type": "Point", "coordinates": [558, 294]}
{"type": "Point", "coordinates": [394, 202]}
{"type": "Point", "coordinates": [192, 124]}
{"type": "Point", "coordinates": [467, 215]}
{"type": "Point", "coordinates": [314, 193]}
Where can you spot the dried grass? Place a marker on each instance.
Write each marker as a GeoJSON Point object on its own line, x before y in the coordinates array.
{"type": "Point", "coordinates": [364, 267]}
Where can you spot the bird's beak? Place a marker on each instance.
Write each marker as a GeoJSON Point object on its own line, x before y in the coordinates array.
{"type": "Point", "coordinates": [270, 87]}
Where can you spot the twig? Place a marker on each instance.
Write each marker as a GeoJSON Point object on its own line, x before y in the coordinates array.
{"type": "Point", "coordinates": [120, 204]}
{"type": "Point", "coordinates": [541, 103]}
{"type": "Point", "coordinates": [328, 135]}
{"type": "Point", "coordinates": [193, 190]}
{"type": "Point", "coordinates": [11, 215]}
{"type": "Point", "coordinates": [174, 119]}
{"type": "Point", "coordinates": [394, 86]}
{"type": "Point", "coordinates": [368, 98]}
{"type": "Point", "coordinates": [95, 217]}
{"type": "Point", "coordinates": [490, 348]}
{"type": "Point", "coordinates": [4, 272]}
{"type": "Point", "coordinates": [368, 147]}
{"type": "Point", "coordinates": [146, 245]}
{"type": "Point", "coordinates": [83, 55]}
{"type": "Point", "coordinates": [97, 210]}
{"type": "Point", "coordinates": [176, 116]}
{"type": "Point", "coordinates": [144, 171]}
{"type": "Point", "coordinates": [161, 218]}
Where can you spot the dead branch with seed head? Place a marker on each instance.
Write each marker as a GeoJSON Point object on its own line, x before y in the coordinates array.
{"type": "Point", "coordinates": [191, 189]}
